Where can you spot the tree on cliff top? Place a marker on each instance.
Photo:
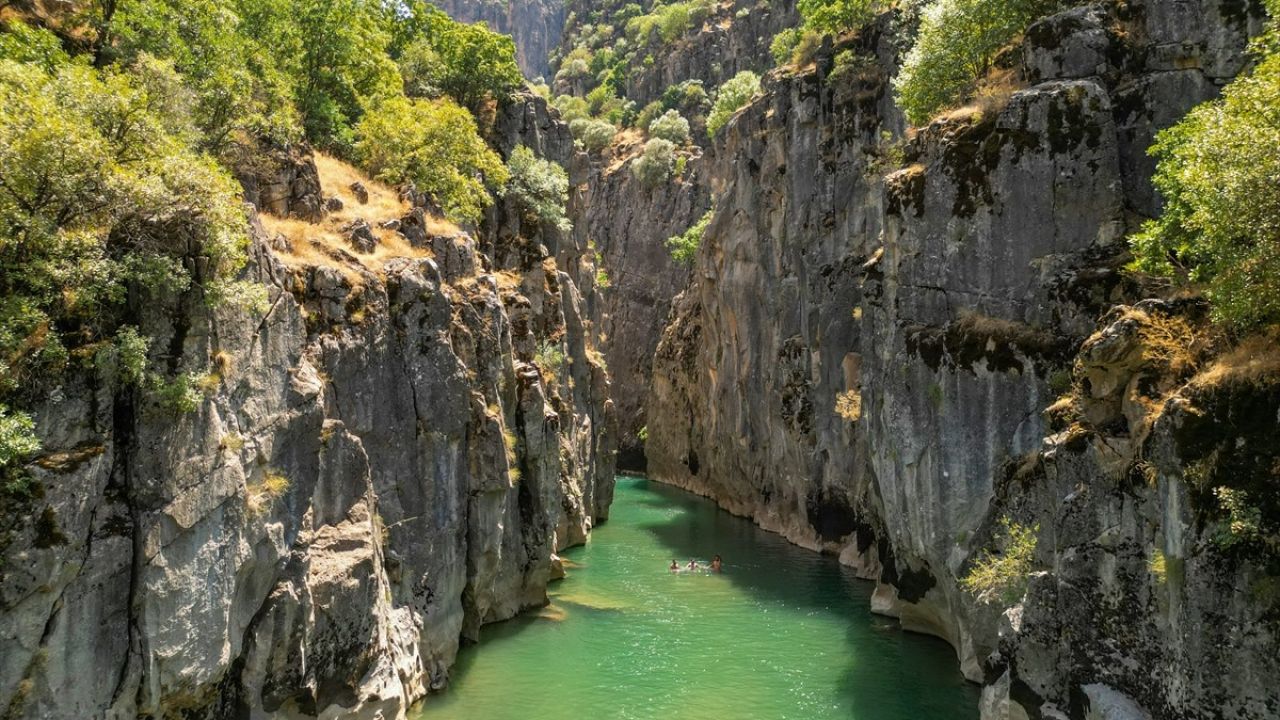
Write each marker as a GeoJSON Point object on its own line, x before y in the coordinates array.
{"type": "Point", "coordinates": [1220, 227]}
{"type": "Point", "coordinates": [433, 144]}
{"type": "Point", "coordinates": [957, 41]}
{"type": "Point", "coordinates": [101, 192]}
{"type": "Point", "coordinates": [467, 62]}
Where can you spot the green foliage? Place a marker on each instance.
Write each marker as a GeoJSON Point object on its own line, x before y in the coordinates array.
{"type": "Point", "coordinates": [956, 43]}
{"type": "Point", "coordinates": [684, 248]}
{"type": "Point", "coordinates": [435, 145]}
{"type": "Point", "coordinates": [341, 64]}
{"type": "Point", "coordinates": [233, 78]}
{"type": "Point", "coordinates": [1243, 522]}
{"type": "Point", "coordinates": [672, 126]}
{"type": "Point", "coordinates": [540, 186]}
{"type": "Point", "coordinates": [655, 163]}
{"type": "Point", "coordinates": [668, 23]}
{"type": "Point", "coordinates": [784, 45]}
{"type": "Point", "coordinates": [18, 439]}
{"type": "Point", "coordinates": [571, 108]}
{"type": "Point", "coordinates": [179, 395]}
{"type": "Point", "coordinates": [101, 190]}
{"type": "Point", "coordinates": [467, 62]}
{"type": "Point", "coordinates": [833, 17]}
{"type": "Point", "coordinates": [550, 359]}
{"type": "Point", "coordinates": [1003, 577]}
{"type": "Point", "coordinates": [22, 43]}
{"type": "Point", "coordinates": [595, 135]}
{"type": "Point", "coordinates": [1217, 172]}
{"type": "Point", "coordinates": [733, 95]}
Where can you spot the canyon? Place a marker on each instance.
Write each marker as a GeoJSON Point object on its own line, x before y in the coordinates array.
{"type": "Point", "coordinates": [894, 345]}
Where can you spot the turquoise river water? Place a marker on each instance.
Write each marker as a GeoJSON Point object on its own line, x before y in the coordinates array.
{"type": "Point", "coordinates": [781, 633]}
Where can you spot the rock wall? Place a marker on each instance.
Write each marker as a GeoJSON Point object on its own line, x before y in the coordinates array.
{"type": "Point", "coordinates": [376, 467]}
{"type": "Point", "coordinates": [938, 290]}
{"type": "Point", "coordinates": [628, 225]}
{"type": "Point", "coordinates": [535, 25]}
{"type": "Point", "coordinates": [735, 38]}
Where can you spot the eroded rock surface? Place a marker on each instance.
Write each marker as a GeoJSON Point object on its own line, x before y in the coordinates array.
{"type": "Point", "coordinates": [377, 465]}
{"type": "Point", "coordinates": [875, 326]}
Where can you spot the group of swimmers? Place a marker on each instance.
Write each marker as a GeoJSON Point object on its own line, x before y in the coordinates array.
{"type": "Point", "coordinates": [693, 565]}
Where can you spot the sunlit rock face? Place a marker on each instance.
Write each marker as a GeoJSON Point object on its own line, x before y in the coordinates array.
{"type": "Point", "coordinates": [375, 468]}
{"type": "Point", "coordinates": [875, 326]}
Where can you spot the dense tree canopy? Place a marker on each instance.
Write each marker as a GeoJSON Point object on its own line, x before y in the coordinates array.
{"type": "Point", "coordinates": [433, 144]}
{"type": "Point", "coordinates": [955, 46]}
{"type": "Point", "coordinates": [1218, 175]}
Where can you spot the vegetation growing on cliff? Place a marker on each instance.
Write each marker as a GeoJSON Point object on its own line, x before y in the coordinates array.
{"type": "Point", "coordinates": [435, 145]}
{"type": "Point", "coordinates": [1220, 228]}
{"type": "Point", "coordinates": [957, 42]}
{"type": "Point", "coordinates": [684, 247]}
{"type": "Point", "coordinates": [1002, 576]}
{"type": "Point", "coordinates": [732, 97]}
{"type": "Point", "coordinates": [541, 187]}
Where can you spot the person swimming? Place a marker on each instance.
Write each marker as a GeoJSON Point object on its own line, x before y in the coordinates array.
{"type": "Point", "coordinates": [675, 566]}
{"type": "Point", "coordinates": [693, 564]}
{"type": "Point", "coordinates": [715, 564]}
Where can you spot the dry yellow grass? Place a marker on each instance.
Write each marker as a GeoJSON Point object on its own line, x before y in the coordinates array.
{"type": "Point", "coordinates": [323, 243]}
{"type": "Point", "coordinates": [1254, 361]}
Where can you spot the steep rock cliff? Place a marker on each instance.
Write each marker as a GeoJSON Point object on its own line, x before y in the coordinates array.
{"type": "Point", "coordinates": [862, 360]}
{"type": "Point", "coordinates": [375, 468]}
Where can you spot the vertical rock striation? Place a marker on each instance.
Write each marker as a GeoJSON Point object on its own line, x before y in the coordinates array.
{"type": "Point", "coordinates": [939, 291]}
{"type": "Point", "coordinates": [376, 468]}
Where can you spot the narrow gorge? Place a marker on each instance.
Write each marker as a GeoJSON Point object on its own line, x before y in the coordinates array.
{"type": "Point", "coordinates": [327, 325]}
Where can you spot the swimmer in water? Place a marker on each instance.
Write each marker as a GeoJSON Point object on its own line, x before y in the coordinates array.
{"type": "Point", "coordinates": [675, 567]}
{"type": "Point", "coordinates": [693, 564]}
{"type": "Point", "coordinates": [715, 564]}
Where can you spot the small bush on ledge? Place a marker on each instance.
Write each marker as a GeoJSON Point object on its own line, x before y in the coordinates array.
{"type": "Point", "coordinates": [1003, 577]}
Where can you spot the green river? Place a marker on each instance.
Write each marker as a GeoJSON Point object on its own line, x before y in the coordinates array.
{"type": "Point", "coordinates": [781, 633]}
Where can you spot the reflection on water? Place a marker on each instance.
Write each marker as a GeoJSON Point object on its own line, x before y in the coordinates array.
{"type": "Point", "coordinates": [781, 633]}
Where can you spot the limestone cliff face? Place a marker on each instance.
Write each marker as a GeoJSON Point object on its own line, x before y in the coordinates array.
{"type": "Point", "coordinates": [535, 25]}
{"type": "Point", "coordinates": [941, 291]}
{"type": "Point", "coordinates": [376, 468]}
{"type": "Point", "coordinates": [735, 38]}
{"type": "Point", "coordinates": [628, 225]}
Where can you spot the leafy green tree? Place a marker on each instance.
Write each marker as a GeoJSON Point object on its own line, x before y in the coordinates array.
{"type": "Point", "coordinates": [343, 65]}
{"type": "Point", "coordinates": [234, 79]}
{"type": "Point", "coordinates": [655, 163]}
{"type": "Point", "coordinates": [1002, 577]}
{"type": "Point", "coordinates": [957, 41]}
{"type": "Point", "coordinates": [17, 441]}
{"type": "Point", "coordinates": [467, 62]}
{"type": "Point", "coordinates": [595, 135]}
{"type": "Point", "coordinates": [1218, 172]}
{"type": "Point", "coordinates": [731, 97]}
{"type": "Point", "coordinates": [435, 145]}
{"type": "Point", "coordinates": [684, 247]}
{"type": "Point", "coordinates": [540, 186]}
{"type": "Point", "coordinates": [672, 126]}
{"type": "Point", "coordinates": [833, 17]}
{"type": "Point", "coordinates": [100, 190]}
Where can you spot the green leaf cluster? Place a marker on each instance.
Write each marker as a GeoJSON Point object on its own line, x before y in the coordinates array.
{"type": "Point", "coordinates": [684, 247]}
{"type": "Point", "coordinates": [954, 48]}
{"type": "Point", "coordinates": [540, 187]}
{"type": "Point", "coordinates": [732, 96]}
{"type": "Point", "coordinates": [435, 145]}
{"type": "Point", "coordinates": [832, 17]}
{"type": "Point", "coordinates": [1217, 173]}
{"type": "Point", "coordinates": [1003, 576]}
{"type": "Point", "coordinates": [102, 189]}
